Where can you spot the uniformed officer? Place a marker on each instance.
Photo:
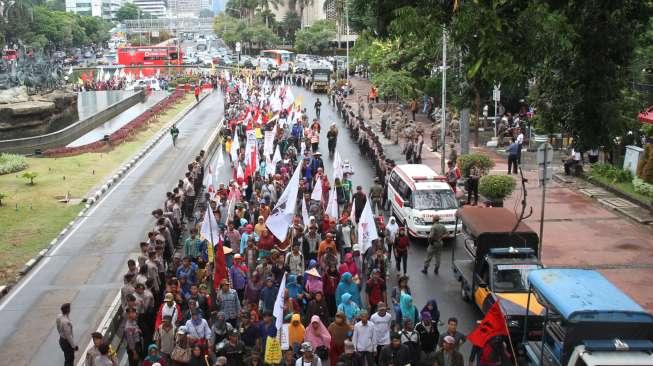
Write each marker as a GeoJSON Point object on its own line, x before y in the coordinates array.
{"type": "Point", "coordinates": [438, 232]}
{"type": "Point", "coordinates": [376, 193]}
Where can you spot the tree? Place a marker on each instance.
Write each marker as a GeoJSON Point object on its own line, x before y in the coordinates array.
{"type": "Point", "coordinates": [290, 24]}
{"type": "Point", "coordinates": [206, 13]}
{"type": "Point", "coordinates": [316, 38]}
{"type": "Point", "coordinates": [129, 11]}
{"type": "Point", "coordinates": [30, 177]}
{"type": "Point", "coordinates": [302, 5]}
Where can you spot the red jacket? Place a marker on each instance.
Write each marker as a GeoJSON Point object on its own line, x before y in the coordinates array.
{"type": "Point", "coordinates": [402, 243]}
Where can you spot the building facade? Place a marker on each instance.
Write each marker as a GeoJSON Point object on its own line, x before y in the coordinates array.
{"type": "Point", "coordinates": [157, 8]}
{"type": "Point", "coordinates": [105, 9]}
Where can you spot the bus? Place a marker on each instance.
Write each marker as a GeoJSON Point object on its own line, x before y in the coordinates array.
{"type": "Point", "coordinates": [150, 56]}
{"type": "Point", "coordinates": [279, 56]}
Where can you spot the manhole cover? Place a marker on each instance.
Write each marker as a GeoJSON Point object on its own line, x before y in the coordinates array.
{"type": "Point", "coordinates": [617, 202]}
{"type": "Point", "coordinates": [593, 192]}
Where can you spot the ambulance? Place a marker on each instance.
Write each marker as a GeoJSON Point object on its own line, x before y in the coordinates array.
{"type": "Point", "coordinates": [417, 194]}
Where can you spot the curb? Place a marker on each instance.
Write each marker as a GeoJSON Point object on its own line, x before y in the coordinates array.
{"type": "Point", "coordinates": [95, 196]}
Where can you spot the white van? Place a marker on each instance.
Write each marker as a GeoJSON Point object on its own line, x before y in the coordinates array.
{"type": "Point", "coordinates": [417, 194]}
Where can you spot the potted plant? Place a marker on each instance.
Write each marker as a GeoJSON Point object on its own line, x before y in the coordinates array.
{"type": "Point", "coordinates": [466, 161]}
{"type": "Point", "coordinates": [496, 188]}
{"type": "Point", "coordinates": [540, 133]}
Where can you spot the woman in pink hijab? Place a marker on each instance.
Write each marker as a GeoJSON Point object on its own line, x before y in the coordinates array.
{"type": "Point", "coordinates": [318, 335]}
{"type": "Point", "coordinates": [348, 265]}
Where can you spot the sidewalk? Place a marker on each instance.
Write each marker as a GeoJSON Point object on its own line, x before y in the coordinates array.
{"type": "Point", "coordinates": [584, 226]}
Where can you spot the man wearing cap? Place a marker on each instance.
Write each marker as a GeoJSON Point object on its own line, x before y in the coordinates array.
{"type": "Point", "coordinates": [360, 200]}
{"type": "Point", "coordinates": [382, 321]}
{"type": "Point", "coordinates": [228, 302]}
{"type": "Point", "coordinates": [234, 350]}
{"type": "Point", "coordinates": [395, 353]}
{"type": "Point", "coordinates": [164, 336]}
{"type": "Point", "coordinates": [308, 357]}
{"type": "Point", "coordinates": [438, 232]}
{"type": "Point", "coordinates": [428, 337]}
{"type": "Point", "coordinates": [376, 193]}
{"type": "Point", "coordinates": [447, 355]}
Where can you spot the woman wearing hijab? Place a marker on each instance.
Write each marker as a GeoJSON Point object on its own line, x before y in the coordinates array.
{"type": "Point", "coordinates": [319, 337]}
{"type": "Point", "coordinates": [348, 265]}
{"type": "Point", "coordinates": [296, 332]}
{"type": "Point", "coordinates": [339, 331]}
{"type": "Point", "coordinates": [402, 287]}
{"type": "Point", "coordinates": [348, 286]}
{"type": "Point", "coordinates": [391, 231]}
{"type": "Point", "coordinates": [348, 307]}
{"type": "Point", "coordinates": [153, 356]}
{"type": "Point", "coordinates": [408, 311]}
{"type": "Point", "coordinates": [431, 307]}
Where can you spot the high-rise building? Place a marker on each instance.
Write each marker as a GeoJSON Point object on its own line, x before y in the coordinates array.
{"type": "Point", "coordinates": [105, 9]}
{"type": "Point", "coordinates": [155, 7]}
{"type": "Point", "coordinates": [186, 9]}
{"type": "Point", "coordinates": [217, 6]}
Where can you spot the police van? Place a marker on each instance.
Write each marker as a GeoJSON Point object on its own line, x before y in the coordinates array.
{"type": "Point", "coordinates": [417, 194]}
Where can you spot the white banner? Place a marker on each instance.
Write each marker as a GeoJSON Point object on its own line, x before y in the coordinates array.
{"type": "Point", "coordinates": [235, 145]}
{"type": "Point", "coordinates": [281, 216]}
{"type": "Point", "coordinates": [366, 228]}
{"type": "Point", "coordinates": [332, 206]}
{"type": "Point", "coordinates": [268, 143]}
{"type": "Point", "coordinates": [305, 217]}
{"type": "Point", "coordinates": [278, 303]}
{"type": "Point", "coordinates": [317, 190]}
{"type": "Point", "coordinates": [337, 166]}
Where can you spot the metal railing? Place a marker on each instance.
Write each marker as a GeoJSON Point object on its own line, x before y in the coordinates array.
{"type": "Point", "coordinates": [167, 24]}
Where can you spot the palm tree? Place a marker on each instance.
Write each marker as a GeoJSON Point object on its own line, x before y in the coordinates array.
{"type": "Point", "coordinates": [303, 4]}
{"type": "Point", "coordinates": [291, 22]}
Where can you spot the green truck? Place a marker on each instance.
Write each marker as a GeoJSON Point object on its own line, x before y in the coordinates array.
{"type": "Point", "coordinates": [321, 78]}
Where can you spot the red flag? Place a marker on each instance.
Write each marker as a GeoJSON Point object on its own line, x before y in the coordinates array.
{"type": "Point", "coordinates": [492, 325]}
{"type": "Point", "coordinates": [220, 265]}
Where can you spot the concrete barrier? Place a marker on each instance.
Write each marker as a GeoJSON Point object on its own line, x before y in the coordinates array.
{"type": "Point", "coordinates": [28, 145]}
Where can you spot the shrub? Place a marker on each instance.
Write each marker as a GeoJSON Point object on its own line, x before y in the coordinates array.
{"type": "Point", "coordinates": [30, 177]}
{"type": "Point", "coordinates": [642, 187]}
{"type": "Point", "coordinates": [11, 163]}
{"type": "Point", "coordinates": [2, 196]}
{"type": "Point", "coordinates": [612, 173]}
{"type": "Point", "coordinates": [466, 161]}
{"type": "Point", "coordinates": [647, 170]}
{"type": "Point", "coordinates": [496, 187]}
{"type": "Point", "coordinates": [646, 155]}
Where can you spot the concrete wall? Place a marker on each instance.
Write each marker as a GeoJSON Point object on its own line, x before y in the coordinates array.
{"type": "Point", "coordinates": [69, 134]}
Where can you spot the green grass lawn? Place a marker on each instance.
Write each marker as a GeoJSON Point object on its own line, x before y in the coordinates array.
{"type": "Point", "coordinates": [624, 187]}
{"type": "Point", "coordinates": [31, 215]}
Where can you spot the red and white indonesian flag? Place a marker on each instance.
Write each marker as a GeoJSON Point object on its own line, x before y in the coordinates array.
{"type": "Point", "coordinates": [282, 215]}
{"type": "Point", "coordinates": [288, 99]}
{"type": "Point", "coordinates": [366, 228]}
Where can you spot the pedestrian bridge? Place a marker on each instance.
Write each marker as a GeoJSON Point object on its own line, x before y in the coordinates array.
{"type": "Point", "coordinates": [169, 24]}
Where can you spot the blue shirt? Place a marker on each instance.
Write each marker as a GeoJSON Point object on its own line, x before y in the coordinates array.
{"type": "Point", "coordinates": [513, 149]}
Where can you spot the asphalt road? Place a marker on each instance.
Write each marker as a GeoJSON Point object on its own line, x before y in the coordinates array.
{"type": "Point", "coordinates": [443, 287]}
{"type": "Point", "coordinates": [87, 266]}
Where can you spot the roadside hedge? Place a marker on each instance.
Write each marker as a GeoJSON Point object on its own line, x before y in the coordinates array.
{"type": "Point", "coordinates": [11, 163]}
{"type": "Point", "coordinates": [612, 173]}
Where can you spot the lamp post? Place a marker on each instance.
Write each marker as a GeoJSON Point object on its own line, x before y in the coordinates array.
{"type": "Point", "coordinates": [347, 41]}
{"type": "Point", "coordinates": [443, 121]}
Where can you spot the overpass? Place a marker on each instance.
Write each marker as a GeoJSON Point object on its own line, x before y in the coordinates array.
{"type": "Point", "coordinates": [174, 25]}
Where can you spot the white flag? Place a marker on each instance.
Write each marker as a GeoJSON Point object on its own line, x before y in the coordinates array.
{"type": "Point", "coordinates": [209, 229]}
{"type": "Point", "coordinates": [270, 167]}
{"type": "Point", "coordinates": [366, 228]}
{"type": "Point", "coordinates": [281, 216]}
{"type": "Point", "coordinates": [275, 159]}
{"type": "Point", "coordinates": [235, 145]}
{"type": "Point", "coordinates": [317, 190]}
{"type": "Point", "coordinates": [220, 163]}
{"type": "Point", "coordinates": [337, 166]}
{"type": "Point", "coordinates": [305, 217]}
{"type": "Point", "coordinates": [288, 99]}
{"type": "Point", "coordinates": [268, 143]}
{"type": "Point", "coordinates": [278, 303]}
{"type": "Point", "coordinates": [208, 181]}
{"type": "Point", "coordinates": [332, 206]}
{"type": "Point", "coordinates": [352, 214]}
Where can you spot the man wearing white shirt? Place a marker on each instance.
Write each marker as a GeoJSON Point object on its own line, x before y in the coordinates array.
{"type": "Point", "coordinates": [364, 339]}
{"type": "Point", "coordinates": [520, 142]}
{"type": "Point", "coordinates": [381, 320]}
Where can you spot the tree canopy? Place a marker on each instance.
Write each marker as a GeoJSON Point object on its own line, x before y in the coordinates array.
{"type": "Point", "coordinates": [316, 38]}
